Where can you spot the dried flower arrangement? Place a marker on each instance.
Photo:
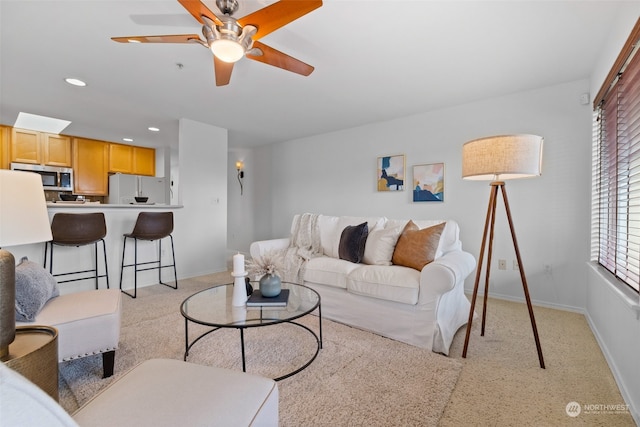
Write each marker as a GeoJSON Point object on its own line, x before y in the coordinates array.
{"type": "Point", "coordinates": [271, 262]}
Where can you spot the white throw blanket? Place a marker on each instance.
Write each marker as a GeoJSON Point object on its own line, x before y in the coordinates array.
{"type": "Point", "coordinates": [304, 245]}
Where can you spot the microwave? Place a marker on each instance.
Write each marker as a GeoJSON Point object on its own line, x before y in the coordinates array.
{"type": "Point", "coordinates": [53, 178]}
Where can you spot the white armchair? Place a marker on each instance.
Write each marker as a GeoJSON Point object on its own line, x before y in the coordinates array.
{"type": "Point", "coordinates": [87, 322]}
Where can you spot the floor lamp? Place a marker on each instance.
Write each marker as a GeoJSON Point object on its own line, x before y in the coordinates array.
{"type": "Point", "coordinates": [499, 158]}
{"type": "Point", "coordinates": [23, 220]}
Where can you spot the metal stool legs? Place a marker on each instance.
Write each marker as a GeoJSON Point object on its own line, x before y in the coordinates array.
{"type": "Point", "coordinates": [48, 247]}
{"type": "Point", "coordinates": [135, 265]}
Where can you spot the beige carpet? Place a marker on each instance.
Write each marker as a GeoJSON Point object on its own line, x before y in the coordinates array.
{"type": "Point", "coordinates": [358, 379]}
{"type": "Point", "coordinates": [501, 383]}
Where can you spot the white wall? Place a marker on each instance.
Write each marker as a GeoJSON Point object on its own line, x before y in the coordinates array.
{"type": "Point", "coordinates": [240, 230]}
{"type": "Point", "coordinates": [613, 314]}
{"type": "Point", "coordinates": [336, 174]}
{"type": "Point", "coordinates": [201, 226]}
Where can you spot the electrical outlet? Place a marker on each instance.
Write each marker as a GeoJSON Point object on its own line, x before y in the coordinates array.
{"type": "Point", "coordinates": [502, 264]}
{"type": "Point", "coordinates": [515, 264]}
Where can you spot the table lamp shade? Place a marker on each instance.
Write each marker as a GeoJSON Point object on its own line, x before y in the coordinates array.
{"type": "Point", "coordinates": [502, 157]}
{"type": "Point", "coordinates": [23, 209]}
{"type": "Point", "coordinates": [23, 220]}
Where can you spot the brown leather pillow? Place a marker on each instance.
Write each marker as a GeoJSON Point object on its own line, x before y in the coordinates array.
{"type": "Point", "coordinates": [417, 248]}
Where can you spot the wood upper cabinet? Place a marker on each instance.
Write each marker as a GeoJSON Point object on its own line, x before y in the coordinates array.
{"type": "Point", "coordinates": [144, 161]}
{"type": "Point", "coordinates": [39, 148]}
{"type": "Point", "coordinates": [56, 150]}
{"type": "Point", "coordinates": [90, 167]}
{"type": "Point", "coordinates": [5, 138]}
{"type": "Point", "coordinates": [120, 158]}
{"type": "Point", "coordinates": [25, 146]}
{"type": "Point", "coordinates": [132, 160]}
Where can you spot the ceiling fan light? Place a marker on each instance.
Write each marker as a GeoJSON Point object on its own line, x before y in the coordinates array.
{"type": "Point", "coordinates": [227, 50]}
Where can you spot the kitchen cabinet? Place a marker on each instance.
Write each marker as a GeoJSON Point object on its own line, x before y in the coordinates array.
{"type": "Point", "coordinates": [40, 148]}
{"type": "Point", "coordinates": [144, 161]}
{"type": "Point", "coordinates": [57, 150]}
{"type": "Point", "coordinates": [120, 158]}
{"type": "Point", "coordinates": [132, 160]}
{"type": "Point", "coordinates": [90, 167]}
{"type": "Point", "coordinates": [5, 138]}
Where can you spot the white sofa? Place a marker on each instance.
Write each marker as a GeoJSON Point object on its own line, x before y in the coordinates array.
{"type": "Point", "coordinates": [422, 308]}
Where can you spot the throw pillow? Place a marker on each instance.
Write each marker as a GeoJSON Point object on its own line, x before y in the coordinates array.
{"type": "Point", "coordinates": [380, 245]}
{"type": "Point", "coordinates": [417, 248]}
{"type": "Point", "coordinates": [34, 287]}
{"type": "Point", "coordinates": [352, 242]}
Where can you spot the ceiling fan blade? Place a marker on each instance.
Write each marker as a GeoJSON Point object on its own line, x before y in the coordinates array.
{"type": "Point", "coordinates": [223, 71]}
{"type": "Point", "coordinates": [197, 9]}
{"type": "Point", "coordinates": [278, 59]}
{"type": "Point", "coordinates": [272, 17]}
{"type": "Point", "coordinates": [177, 38]}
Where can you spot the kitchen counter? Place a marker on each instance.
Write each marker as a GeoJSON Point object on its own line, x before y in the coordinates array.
{"type": "Point", "coordinates": [106, 206]}
{"type": "Point", "coordinates": [120, 219]}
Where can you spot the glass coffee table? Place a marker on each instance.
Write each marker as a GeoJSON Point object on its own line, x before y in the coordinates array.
{"type": "Point", "coordinates": [213, 307]}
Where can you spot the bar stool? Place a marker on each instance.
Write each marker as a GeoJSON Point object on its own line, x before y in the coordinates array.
{"type": "Point", "coordinates": [78, 230]}
{"type": "Point", "coordinates": [150, 226]}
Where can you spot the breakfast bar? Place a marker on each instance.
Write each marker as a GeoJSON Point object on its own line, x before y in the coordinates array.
{"type": "Point", "coordinates": [120, 219]}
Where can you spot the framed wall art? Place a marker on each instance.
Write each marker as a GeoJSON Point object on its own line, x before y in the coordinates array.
{"type": "Point", "coordinates": [391, 173]}
{"type": "Point", "coordinates": [428, 182]}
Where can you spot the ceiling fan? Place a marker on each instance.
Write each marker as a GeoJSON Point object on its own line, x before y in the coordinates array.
{"type": "Point", "coordinates": [230, 39]}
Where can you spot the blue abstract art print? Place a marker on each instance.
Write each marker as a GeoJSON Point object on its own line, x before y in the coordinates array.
{"type": "Point", "coordinates": [391, 173]}
{"type": "Point", "coordinates": [428, 183]}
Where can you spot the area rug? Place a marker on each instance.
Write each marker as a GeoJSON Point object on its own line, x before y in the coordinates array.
{"type": "Point", "coordinates": [358, 378]}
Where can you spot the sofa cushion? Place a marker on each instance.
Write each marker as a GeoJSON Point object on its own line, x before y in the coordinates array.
{"type": "Point", "coordinates": [26, 404]}
{"type": "Point", "coordinates": [34, 287]}
{"type": "Point", "coordinates": [449, 239]}
{"type": "Point", "coordinates": [381, 244]}
{"type": "Point", "coordinates": [329, 271]}
{"type": "Point", "coordinates": [417, 248]}
{"type": "Point", "coordinates": [392, 283]}
{"type": "Point", "coordinates": [331, 229]}
{"type": "Point", "coordinates": [352, 242]}
{"type": "Point", "coordinates": [328, 230]}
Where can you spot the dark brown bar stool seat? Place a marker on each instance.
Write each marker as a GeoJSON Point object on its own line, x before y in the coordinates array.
{"type": "Point", "coordinates": [78, 230]}
{"type": "Point", "coordinates": [150, 226]}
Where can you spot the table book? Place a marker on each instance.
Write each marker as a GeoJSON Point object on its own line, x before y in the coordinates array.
{"type": "Point", "coordinates": [257, 300]}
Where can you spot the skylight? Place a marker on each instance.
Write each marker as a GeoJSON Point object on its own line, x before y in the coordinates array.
{"type": "Point", "coordinates": [40, 123]}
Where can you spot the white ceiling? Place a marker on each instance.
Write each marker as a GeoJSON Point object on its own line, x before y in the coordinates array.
{"type": "Point", "coordinates": [374, 60]}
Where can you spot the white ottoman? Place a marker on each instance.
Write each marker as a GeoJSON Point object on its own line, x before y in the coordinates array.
{"type": "Point", "coordinates": [164, 392]}
{"type": "Point", "coordinates": [87, 322]}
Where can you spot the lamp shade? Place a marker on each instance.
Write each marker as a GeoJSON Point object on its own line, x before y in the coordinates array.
{"type": "Point", "coordinates": [23, 209]}
{"type": "Point", "coordinates": [502, 157]}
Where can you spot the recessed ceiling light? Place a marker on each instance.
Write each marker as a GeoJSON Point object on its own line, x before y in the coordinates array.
{"type": "Point", "coordinates": [133, 41]}
{"type": "Point", "coordinates": [127, 139]}
{"type": "Point", "coordinates": [40, 123]}
{"type": "Point", "coordinates": [154, 129]}
{"type": "Point", "coordinates": [75, 82]}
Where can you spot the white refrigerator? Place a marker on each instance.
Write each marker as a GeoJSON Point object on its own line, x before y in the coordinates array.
{"type": "Point", "coordinates": [124, 188]}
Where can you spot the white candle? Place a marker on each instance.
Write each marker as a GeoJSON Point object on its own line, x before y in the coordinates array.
{"type": "Point", "coordinates": [238, 263]}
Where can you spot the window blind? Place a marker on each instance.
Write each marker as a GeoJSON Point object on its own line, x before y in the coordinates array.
{"type": "Point", "coordinates": [616, 173]}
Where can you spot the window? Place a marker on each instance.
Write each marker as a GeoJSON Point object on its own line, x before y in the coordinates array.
{"type": "Point", "coordinates": [616, 168]}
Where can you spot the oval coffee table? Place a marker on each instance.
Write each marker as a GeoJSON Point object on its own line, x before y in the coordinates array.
{"type": "Point", "coordinates": [213, 307]}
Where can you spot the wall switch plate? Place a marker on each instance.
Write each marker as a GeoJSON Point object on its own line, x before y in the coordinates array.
{"type": "Point", "coordinates": [502, 264]}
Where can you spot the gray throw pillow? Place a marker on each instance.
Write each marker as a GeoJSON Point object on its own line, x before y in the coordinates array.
{"type": "Point", "coordinates": [352, 242]}
{"type": "Point", "coordinates": [34, 287]}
